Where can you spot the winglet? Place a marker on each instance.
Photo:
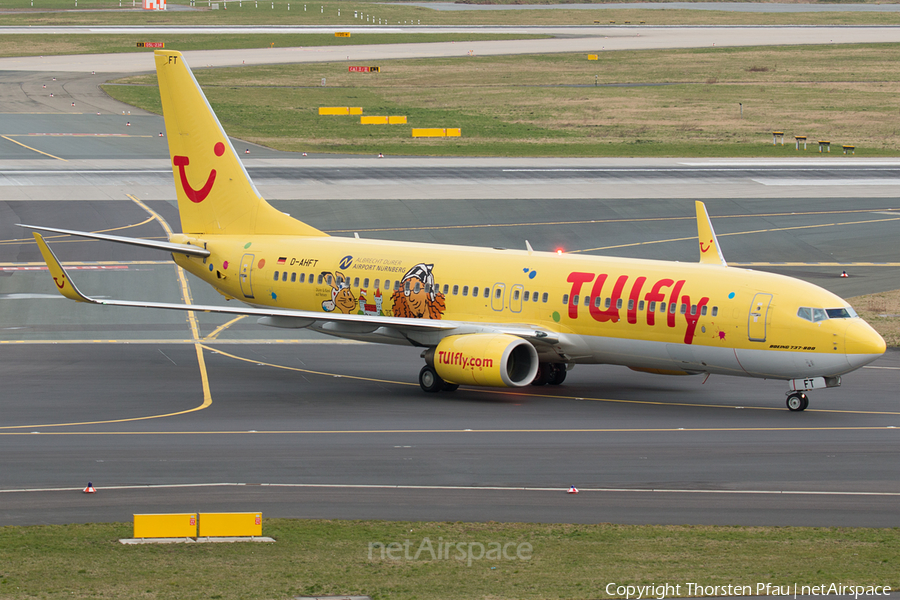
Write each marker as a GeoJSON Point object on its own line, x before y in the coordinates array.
{"type": "Point", "coordinates": [60, 277]}
{"type": "Point", "coordinates": [710, 252]}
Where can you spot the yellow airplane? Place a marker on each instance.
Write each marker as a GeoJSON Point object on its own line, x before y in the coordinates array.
{"type": "Point", "coordinates": [483, 317]}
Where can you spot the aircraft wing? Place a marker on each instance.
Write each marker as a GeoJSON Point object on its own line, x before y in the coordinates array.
{"type": "Point", "coordinates": [168, 246]}
{"type": "Point", "coordinates": [294, 319]}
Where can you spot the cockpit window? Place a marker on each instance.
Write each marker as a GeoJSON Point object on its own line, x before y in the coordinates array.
{"type": "Point", "coordinates": [820, 314]}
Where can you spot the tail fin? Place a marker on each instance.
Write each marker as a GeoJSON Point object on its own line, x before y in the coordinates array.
{"type": "Point", "coordinates": [215, 194]}
{"type": "Point", "coordinates": [710, 252]}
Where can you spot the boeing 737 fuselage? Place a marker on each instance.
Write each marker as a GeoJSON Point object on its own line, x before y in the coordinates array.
{"type": "Point", "coordinates": [484, 317]}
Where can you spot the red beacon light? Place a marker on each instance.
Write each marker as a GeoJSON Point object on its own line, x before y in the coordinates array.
{"type": "Point", "coordinates": [559, 251]}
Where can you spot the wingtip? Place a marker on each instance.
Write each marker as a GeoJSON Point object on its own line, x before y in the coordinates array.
{"type": "Point", "coordinates": [64, 285]}
{"type": "Point", "coordinates": [710, 251]}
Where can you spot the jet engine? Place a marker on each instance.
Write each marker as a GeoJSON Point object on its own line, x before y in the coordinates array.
{"type": "Point", "coordinates": [486, 359]}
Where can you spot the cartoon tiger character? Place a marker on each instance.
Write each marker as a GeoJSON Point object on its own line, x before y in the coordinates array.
{"type": "Point", "coordinates": [418, 296]}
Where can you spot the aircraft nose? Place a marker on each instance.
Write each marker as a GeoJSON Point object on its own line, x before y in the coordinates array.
{"type": "Point", "coordinates": [862, 344]}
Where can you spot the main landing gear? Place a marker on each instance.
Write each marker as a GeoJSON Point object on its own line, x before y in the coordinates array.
{"type": "Point", "coordinates": [431, 382]}
{"type": "Point", "coordinates": [797, 401]}
{"type": "Point", "coordinates": [552, 373]}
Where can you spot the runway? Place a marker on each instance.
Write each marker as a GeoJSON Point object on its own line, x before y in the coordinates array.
{"type": "Point", "coordinates": [297, 425]}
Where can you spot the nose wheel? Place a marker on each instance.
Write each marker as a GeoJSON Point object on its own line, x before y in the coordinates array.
{"type": "Point", "coordinates": [797, 401]}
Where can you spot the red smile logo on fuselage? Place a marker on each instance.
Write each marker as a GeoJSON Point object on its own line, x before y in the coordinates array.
{"type": "Point", "coordinates": [200, 195]}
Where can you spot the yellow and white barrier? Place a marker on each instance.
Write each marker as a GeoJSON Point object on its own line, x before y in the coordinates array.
{"type": "Point", "coordinates": [230, 524]}
{"type": "Point", "coordinates": [340, 110]}
{"type": "Point", "coordinates": [180, 525]}
{"type": "Point", "coordinates": [437, 132]}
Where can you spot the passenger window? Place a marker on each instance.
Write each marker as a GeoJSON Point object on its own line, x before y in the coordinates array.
{"type": "Point", "coordinates": [418, 287]}
{"type": "Point", "coordinates": [527, 293]}
{"type": "Point", "coordinates": [321, 278]}
{"type": "Point", "coordinates": [672, 308]}
{"type": "Point", "coordinates": [683, 309]}
{"type": "Point", "coordinates": [565, 298]}
{"type": "Point", "coordinates": [641, 305]}
{"type": "Point", "coordinates": [805, 313]}
{"type": "Point", "coordinates": [377, 281]}
{"type": "Point", "coordinates": [356, 282]}
{"type": "Point", "coordinates": [387, 285]}
{"type": "Point", "coordinates": [703, 311]}
{"type": "Point", "coordinates": [597, 301]}
{"type": "Point", "coordinates": [715, 311]}
{"type": "Point", "coordinates": [575, 299]}
{"type": "Point", "coordinates": [284, 276]}
{"type": "Point", "coordinates": [302, 277]}
{"type": "Point", "coordinates": [366, 283]}
{"type": "Point", "coordinates": [446, 289]}
{"type": "Point", "coordinates": [499, 292]}
{"type": "Point", "coordinates": [396, 285]}
{"type": "Point", "coordinates": [311, 277]}
{"type": "Point", "coordinates": [475, 291]}
{"type": "Point", "coordinates": [545, 297]}
{"type": "Point", "coordinates": [455, 290]}
{"type": "Point", "coordinates": [693, 309]}
{"type": "Point", "coordinates": [465, 290]}
{"type": "Point", "coordinates": [631, 304]}
{"type": "Point", "coordinates": [534, 297]}
{"type": "Point", "coordinates": [587, 300]}
{"type": "Point", "coordinates": [293, 277]}
{"type": "Point", "coordinates": [608, 302]}
{"type": "Point", "coordinates": [487, 292]}
{"type": "Point", "coordinates": [652, 307]}
{"type": "Point", "coordinates": [662, 307]}
{"type": "Point", "coordinates": [276, 275]}
{"type": "Point", "coordinates": [619, 303]}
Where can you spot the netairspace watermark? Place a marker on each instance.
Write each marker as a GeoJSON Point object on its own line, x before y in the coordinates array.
{"type": "Point", "coordinates": [441, 550]}
{"type": "Point", "coordinates": [695, 590]}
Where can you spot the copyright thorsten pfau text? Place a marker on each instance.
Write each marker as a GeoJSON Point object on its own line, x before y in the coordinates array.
{"type": "Point", "coordinates": [660, 591]}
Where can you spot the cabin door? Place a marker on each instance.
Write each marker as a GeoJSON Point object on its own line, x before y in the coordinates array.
{"type": "Point", "coordinates": [759, 313]}
{"type": "Point", "coordinates": [497, 293]}
{"type": "Point", "coordinates": [246, 271]}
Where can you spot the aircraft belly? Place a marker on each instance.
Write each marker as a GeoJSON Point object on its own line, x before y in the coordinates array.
{"type": "Point", "coordinates": [791, 365]}
{"type": "Point", "coordinates": [645, 354]}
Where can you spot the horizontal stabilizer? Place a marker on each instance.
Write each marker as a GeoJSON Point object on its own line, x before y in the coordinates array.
{"type": "Point", "coordinates": [167, 246]}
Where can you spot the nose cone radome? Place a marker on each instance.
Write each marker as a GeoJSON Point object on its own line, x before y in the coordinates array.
{"type": "Point", "coordinates": [862, 344]}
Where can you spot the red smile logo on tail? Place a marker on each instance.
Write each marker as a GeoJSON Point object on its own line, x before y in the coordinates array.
{"type": "Point", "coordinates": [200, 195]}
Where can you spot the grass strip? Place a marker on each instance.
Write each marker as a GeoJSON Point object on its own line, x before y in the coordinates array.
{"type": "Point", "coordinates": [333, 557]}
{"type": "Point", "coordinates": [881, 311]}
{"type": "Point", "coordinates": [66, 44]}
{"type": "Point", "coordinates": [717, 102]}
{"type": "Point", "coordinates": [286, 12]}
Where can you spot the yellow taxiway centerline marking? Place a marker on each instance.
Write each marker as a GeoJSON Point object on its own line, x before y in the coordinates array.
{"type": "Point", "coordinates": [396, 431]}
{"type": "Point", "coordinates": [215, 333]}
{"type": "Point", "coordinates": [9, 139]}
{"type": "Point", "coordinates": [721, 235]}
{"type": "Point", "coordinates": [594, 221]}
{"type": "Point", "coordinates": [191, 315]}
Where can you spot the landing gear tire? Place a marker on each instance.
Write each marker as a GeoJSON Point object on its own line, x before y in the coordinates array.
{"type": "Point", "coordinates": [430, 381]}
{"type": "Point", "coordinates": [797, 401]}
{"type": "Point", "coordinates": [545, 371]}
{"type": "Point", "coordinates": [557, 373]}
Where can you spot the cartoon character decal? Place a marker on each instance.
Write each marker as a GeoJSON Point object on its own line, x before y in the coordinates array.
{"type": "Point", "coordinates": [418, 297]}
{"type": "Point", "coordinates": [342, 297]}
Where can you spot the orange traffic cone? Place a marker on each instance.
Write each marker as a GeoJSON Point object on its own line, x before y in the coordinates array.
{"type": "Point", "coordinates": [844, 274]}
{"type": "Point", "coordinates": [573, 490]}
{"type": "Point", "coordinates": [90, 488]}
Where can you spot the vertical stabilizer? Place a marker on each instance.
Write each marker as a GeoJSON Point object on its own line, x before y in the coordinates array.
{"type": "Point", "coordinates": [710, 252]}
{"type": "Point", "coordinates": [215, 194]}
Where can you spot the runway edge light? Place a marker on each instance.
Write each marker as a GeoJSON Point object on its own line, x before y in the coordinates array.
{"type": "Point", "coordinates": [572, 490]}
{"type": "Point", "coordinates": [90, 488]}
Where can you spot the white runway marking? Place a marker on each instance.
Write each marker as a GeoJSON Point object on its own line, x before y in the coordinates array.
{"type": "Point", "coordinates": [826, 182]}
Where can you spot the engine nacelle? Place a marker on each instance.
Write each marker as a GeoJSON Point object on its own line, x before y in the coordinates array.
{"type": "Point", "coordinates": [486, 359]}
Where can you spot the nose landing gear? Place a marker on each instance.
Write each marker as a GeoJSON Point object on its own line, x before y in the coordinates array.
{"type": "Point", "coordinates": [797, 401]}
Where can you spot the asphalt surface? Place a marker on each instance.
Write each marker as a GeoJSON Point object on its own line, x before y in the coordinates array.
{"type": "Point", "coordinates": [297, 425]}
